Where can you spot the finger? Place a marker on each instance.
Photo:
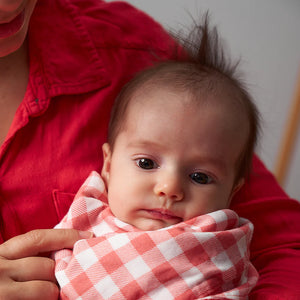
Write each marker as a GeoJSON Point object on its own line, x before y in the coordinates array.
{"type": "Point", "coordinates": [41, 240]}
{"type": "Point", "coordinates": [31, 290]}
{"type": "Point", "coordinates": [31, 268]}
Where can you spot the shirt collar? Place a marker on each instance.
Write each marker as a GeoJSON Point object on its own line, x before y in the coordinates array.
{"type": "Point", "coordinates": [62, 56]}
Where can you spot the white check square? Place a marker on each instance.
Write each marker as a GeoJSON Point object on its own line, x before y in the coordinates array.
{"type": "Point", "coordinates": [86, 258]}
{"type": "Point", "coordinates": [106, 287]}
{"type": "Point", "coordinates": [168, 250]}
{"type": "Point", "coordinates": [137, 267]}
{"type": "Point", "coordinates": [118, 241]}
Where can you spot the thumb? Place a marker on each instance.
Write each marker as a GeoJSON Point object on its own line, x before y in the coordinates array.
{"type": "Point", "coordinates": [38, 241]}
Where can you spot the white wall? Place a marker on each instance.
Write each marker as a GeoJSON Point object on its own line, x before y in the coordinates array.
{"type": "Point", "coordinates": [266, 35]}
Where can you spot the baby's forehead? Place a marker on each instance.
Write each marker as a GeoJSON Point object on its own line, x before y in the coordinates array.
{"type": "Point", "coordinates": [217, 92]}
{"type": "Point", "coordinates": [153, 100]}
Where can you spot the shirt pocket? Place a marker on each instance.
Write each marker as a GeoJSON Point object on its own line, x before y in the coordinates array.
{"type": "Point", "coordinates": [62, 202]}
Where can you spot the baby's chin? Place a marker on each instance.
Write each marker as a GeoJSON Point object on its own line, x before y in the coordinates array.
{"type": "Point", "coordinates": [151, 225]}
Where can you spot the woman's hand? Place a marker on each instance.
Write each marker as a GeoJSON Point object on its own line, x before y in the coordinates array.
{"type": "Point", "coordinates": [25, 275]}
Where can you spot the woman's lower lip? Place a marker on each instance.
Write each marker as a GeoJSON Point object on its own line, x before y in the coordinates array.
{"type": "Point", "coordinates": [12, 27]}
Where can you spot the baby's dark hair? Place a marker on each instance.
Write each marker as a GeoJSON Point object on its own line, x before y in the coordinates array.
{"type": "Point", "coordinates": [198, 66]}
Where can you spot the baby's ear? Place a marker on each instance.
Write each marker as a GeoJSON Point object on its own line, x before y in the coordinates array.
{"type": "Point", "coordinates": [106, 163]}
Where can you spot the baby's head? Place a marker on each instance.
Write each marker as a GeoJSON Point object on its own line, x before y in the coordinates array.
{"type": "Point", "coordinates": [180, 142]}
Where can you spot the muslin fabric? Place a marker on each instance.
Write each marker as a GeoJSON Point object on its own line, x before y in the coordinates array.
{"type": "Point", "coordinates": [206, 257]}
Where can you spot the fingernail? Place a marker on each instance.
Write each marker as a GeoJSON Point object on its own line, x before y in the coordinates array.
{"type": "Point", "coordinates": [85, 234]}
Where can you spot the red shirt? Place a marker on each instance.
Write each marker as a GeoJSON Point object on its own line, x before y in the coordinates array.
{"type": "Point", "coordinates": [81, 53]}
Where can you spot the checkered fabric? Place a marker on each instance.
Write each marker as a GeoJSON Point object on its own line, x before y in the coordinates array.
{"type": "Point", "coordinates": [204, 258]}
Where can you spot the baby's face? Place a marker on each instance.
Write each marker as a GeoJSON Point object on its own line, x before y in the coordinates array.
{"type": "Point", "coordinates": [173, 161]}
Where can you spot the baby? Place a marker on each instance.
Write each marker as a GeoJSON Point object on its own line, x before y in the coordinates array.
{"type": "Point", "coordinates": [180, 143]}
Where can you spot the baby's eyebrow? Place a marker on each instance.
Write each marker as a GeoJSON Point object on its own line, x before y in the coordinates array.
{"type": "Point", "coordinates": [214, 161]}
{"type": "Point", "coordinates": [142, 143]}
{"type": "Point", "coordinates": [206, 160]}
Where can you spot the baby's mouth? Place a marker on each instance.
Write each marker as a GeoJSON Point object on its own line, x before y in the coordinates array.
{"type": "Point", "coordinates": [162, 214]}
{"type": "Point", "coordinates": [10, 28]}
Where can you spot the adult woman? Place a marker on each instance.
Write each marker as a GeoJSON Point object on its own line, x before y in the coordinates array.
{"type": "Point", "coordinates": [59, 77]}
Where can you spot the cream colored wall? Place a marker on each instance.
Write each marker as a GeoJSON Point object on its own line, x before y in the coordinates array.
{"type": "Point", "coordinates": [265, 34]}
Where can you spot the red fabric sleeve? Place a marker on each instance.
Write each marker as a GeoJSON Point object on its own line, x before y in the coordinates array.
{"type": "Point", "coordinates": [276, 240]}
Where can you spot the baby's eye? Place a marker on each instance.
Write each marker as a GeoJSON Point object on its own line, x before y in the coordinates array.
{"type": "Point", "coordinates": [201, 178]}
{"type": "Point", "coordinates": [146, 163]}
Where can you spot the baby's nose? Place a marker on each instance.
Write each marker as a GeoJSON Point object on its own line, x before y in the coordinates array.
{"type": "Point", "coordinates": [169, 186]}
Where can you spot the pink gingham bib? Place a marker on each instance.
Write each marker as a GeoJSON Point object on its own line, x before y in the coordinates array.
{"type": "Point", "coordinates": [204, 258]}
